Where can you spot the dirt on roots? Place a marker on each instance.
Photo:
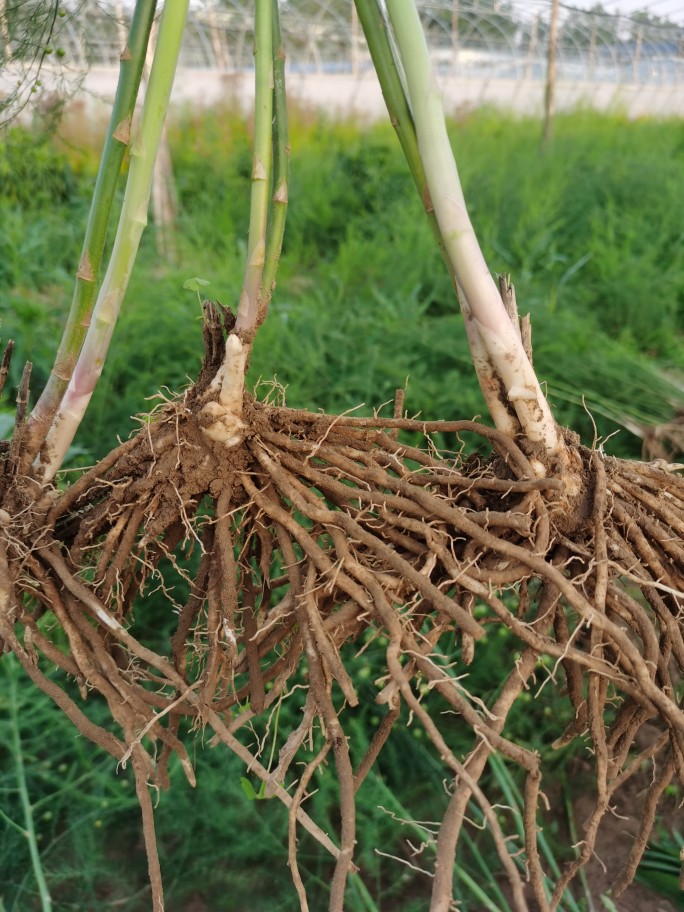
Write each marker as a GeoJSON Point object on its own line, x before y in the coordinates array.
{"type": "Point", "coordinates": [317, 530]}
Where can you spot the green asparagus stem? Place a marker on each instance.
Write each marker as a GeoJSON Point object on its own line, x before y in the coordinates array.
{"type": "Point", "coordinates": [262, 170]}
{"type": "Point", "coordinates": [374, 26]}
{"type": "Point", "coordinates": [376, 29]}
{"type": "Point", "coordinates": [276, 225]}
{"type": "Point", "coordinates": [493, 325]}
{"type": "Point", "coordinates": [222, 419]}
{"type": "Point", "coordinates": [116, 143]}
{"type": "Point", "coordinates": [497, 351]}
{"type": "Point", "coordinates": [132, 222]}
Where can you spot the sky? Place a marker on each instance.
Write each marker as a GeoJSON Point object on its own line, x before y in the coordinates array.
{"type": "Point", "coordinates": [669, 9]}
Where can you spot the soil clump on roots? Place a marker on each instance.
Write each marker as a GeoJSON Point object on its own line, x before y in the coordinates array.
{"type": "Point", "coordinates": [318, 531]}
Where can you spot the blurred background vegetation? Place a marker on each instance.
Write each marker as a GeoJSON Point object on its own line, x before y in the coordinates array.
{"type": "Point", "coordinates": [591, 231]}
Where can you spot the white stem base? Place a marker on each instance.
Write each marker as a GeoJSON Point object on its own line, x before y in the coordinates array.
{"type": "Point", "coordinates": [222, 419]}
{"type": "Point", "coordinates": [62, 431]}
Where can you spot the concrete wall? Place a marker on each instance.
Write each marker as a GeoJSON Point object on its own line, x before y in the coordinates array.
{"type": "Point", "coordinates": [359, 96]}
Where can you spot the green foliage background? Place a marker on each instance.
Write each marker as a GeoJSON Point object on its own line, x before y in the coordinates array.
{"type": "Point", "coordinates": [591, 231]}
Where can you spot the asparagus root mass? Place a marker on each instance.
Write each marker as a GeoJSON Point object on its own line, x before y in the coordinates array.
{"type": "Point", "coordinates": [314, 532]}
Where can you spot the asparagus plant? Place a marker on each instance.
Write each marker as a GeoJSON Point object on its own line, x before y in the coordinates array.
{"type": "Point", "coordinates": [117, 141]}
{"type": "Point", "coordinates": [223, 416]}
{"type": "Point", "coordinates": [316, 532]}
{"type": "Point", "coordinates": [492, 329]}
{"type": "Point", "coordinates": [414, 100]}
{"type": "Point", "coordinates": [67, 410]}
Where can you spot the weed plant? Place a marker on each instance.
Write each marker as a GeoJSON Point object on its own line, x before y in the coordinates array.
{"type": "Point", "coordinates": [660, 869]}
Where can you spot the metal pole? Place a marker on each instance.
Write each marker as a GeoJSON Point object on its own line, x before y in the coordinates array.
{"type": "Point", "coordinates": [454, 36]}
{"type": "Point", "coordinates": [532, 47]}
{"type": "Point", "coordinates": [637, 54]}
{"type": "Point", "coordinates": [549, 94]}
{"type": "Point", "coordinates": [355, 42]}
